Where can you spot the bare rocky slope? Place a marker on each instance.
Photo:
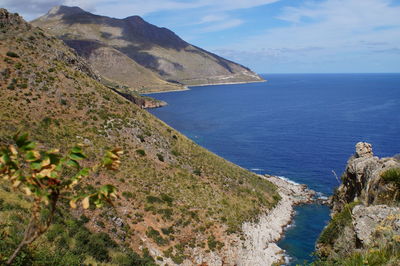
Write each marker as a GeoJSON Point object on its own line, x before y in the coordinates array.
{"type": "Point", "coordinates": [137, 54]}
{"type": "Point", "coordinates": [365, 225]}
{"type": "Point", "coordinates": [178, 203]}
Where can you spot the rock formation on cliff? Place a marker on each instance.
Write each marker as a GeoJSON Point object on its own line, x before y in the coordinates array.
{"type": "Point", "coordinates": [365, 221]}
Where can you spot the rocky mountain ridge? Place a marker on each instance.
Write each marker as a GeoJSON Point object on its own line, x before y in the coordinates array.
{"type": "Point", "coordinates": [137, 54]}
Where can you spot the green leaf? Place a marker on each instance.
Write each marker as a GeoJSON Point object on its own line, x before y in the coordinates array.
{"type": "Point", "coordinates": [77, 156]}
{"type": "Point", "coordinates": [36, 165]}
{"type": "Point", "coordinates": [76, 149]}
{"type": "Point", "coordinates": [46, 161]}
{"type": "Point", "coordinates": [106, 190]}
{"type": "Point", "coordinates": [32, 156]}
{"type": "Point", "coordinates": [54, 174]}
{"type": "Point", "coordinates": [107, 161]}
{"type": "Point", "coordinates": [5, 158]}
{"type": "Point", "coordinates": [29, 146]}
{"type": "Point", "coordinates": [21, 139]}
{"type": "Point", "coordinates": [84, 172]}
{"type": "Point", "coordinates": [54, 158]}
{"type": "Point", "coordinates": [72, 163]}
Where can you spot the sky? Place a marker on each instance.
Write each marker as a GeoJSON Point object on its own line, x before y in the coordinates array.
{"type": "Point", "coordinates": [269, 36]}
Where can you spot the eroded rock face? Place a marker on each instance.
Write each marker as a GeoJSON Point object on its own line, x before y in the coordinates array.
{"type": "Point", "coordinates": [362, 179]}
{"type": "Point", "coordinates": [368, 219]}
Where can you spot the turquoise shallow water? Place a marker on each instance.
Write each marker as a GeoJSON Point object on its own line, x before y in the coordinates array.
{"type": "Point", "coordinates": [301, 126]}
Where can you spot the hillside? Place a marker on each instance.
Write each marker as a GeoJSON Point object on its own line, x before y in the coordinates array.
{"type": "Point", "coordinates": [365, 225]}
{"type": "Point", "coordinates": [124, 50]}
{"type": "Point", "coordinates": [178, 202]}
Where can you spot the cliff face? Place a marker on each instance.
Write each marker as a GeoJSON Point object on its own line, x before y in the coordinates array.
{"type": "Point", "coordinates": [138, 54]}
{"type": "Point", "coordinates": [365, 212]}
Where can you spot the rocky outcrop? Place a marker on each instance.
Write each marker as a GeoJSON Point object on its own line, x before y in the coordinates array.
{"type": "Point", "coordinates": [142, 101]}
{"type": "Point", "coordinates": [365, 210]}
{"type": "Point", "coordinates": [13, 21]}
{"type": "Point", "coordinates": [362, 179]}
{"type": "Point", "coordinates": [368, 219]}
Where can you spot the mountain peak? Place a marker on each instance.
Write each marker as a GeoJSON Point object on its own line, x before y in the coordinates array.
{"type": "Point", "coordinates": [135, 19]}
{"type": "Point", "coordinates": [65, 10]}
{"type": "Point", "coordinates": [155, 48]}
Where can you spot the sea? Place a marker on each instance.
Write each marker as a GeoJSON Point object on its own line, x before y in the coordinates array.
{"type": "Point", "coordinates": [303, 127]}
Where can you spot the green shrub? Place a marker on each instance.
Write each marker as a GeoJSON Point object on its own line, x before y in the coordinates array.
{"type": "Point", "coordinates": [153, 199]}
{"type": "Point", "coordinates": [156, 236]}
{"type": "Point", "coordinates": [18, 65]}
{"type": "Point", "coordinates": [337, 224]}
{"type": "Point", "coordinates": [141, 152]}
{"type": "Point", "coordinates": [175, 153]}
{"type": "Point", "coordinates": [160, 157]}
{"type": "Point", "coordinates": [12, 54]}
{"type": "Point", "coordinates": [167, 199]}
{"type": "Point", "coordinates": [387, 254]}
{"type": "Point", "coordinates": [166, 213]}
{"type": "Point", "coordinates": [141, 138]}
{"type": "Point", "coordinates": [212, 243]}
{"type": "Point", "coordinates": [392, 176]}
{"type": "Point", "coordinates": [100, 224]}
{"type": "Point", "coordinates": [197, 172]}
{"type": "Point", "coordinates": [168, 230]}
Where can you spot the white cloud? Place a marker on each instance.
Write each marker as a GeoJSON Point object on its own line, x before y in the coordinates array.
{"type": "Point", "coordinates": [324, 36]}
{"type": "Point", "coordinates": [333, 24]}
{"type": "Point", "coordinates": [212, 18]}
{"type": "Point", "coordinates": [226, 24]}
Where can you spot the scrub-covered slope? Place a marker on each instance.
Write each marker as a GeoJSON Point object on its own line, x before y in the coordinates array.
{"type": "Point", "coordinates": [175, 197]}
{"type": "Point", "coordinates": [124, 43]}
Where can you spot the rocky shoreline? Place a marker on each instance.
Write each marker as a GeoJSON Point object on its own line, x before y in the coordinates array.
{"type": "Point", "coordinates": [256, 246]}
{"type": "Point", "coordinates": [260, 246]}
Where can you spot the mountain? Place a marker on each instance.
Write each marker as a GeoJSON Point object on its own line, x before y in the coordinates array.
{"type": "Point", "coordinates": [365, 225]}
{"type": "Point", "coordinates": [124, 50]}
{"type": "Point", "coordinates": [177, 201]}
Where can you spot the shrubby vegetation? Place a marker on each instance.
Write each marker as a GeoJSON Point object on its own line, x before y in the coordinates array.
{"type": "Point", "coordinates": [337, 224]}
{"type": "Point", "coordinates": [392, 176]}
{"type": "Point", "coordinates": [47, 177]}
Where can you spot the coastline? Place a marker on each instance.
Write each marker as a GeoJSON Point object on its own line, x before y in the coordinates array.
{"type": "Point", "coordinates": [256, 245]}
{"type": "Point", "coordinates": [187, 87]}
{"type": "Point", "coordinates": [228, 83]}
{"type": "Point", "coordinates": [260, 246]}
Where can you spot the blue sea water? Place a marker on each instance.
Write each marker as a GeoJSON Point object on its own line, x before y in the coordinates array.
{"type": "Point", "coordinates": [301, 126]}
